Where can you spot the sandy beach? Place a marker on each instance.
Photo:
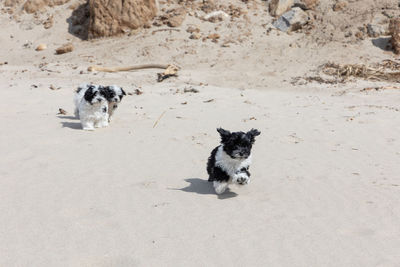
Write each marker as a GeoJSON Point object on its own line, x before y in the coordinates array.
{"type": "Point", "coordinates": [325, 173]}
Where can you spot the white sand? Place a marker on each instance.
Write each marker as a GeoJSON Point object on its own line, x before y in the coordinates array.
{"type": "Point", "coordinates": [325, 176]}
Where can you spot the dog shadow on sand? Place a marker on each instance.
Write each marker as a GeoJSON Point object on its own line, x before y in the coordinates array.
{"type": "Point", "coordinates": [204, 187]}
{"type": "Point", "coordinates": [71, 124]}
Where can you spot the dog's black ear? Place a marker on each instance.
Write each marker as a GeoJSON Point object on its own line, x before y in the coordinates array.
{"type": "Point", "coordinates": [89, 94]}
{"type": "Point", "coordinates": [225, 135]}
{"type": "Point", "coordinates": [104, 91]}
{"type": "Point", "coordinates": [123, 92]}
{"type": "Point", "coordinates": [80, 87]}
{"type": "Point", "coordinates": [253, 133]}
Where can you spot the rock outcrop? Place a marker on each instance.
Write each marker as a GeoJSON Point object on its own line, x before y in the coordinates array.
{"type": "Point", "coordinates": [109, 18]}
{"type": "Point", "coordinates": [32, 6]}
{"type": "Point", "coordinates": [12, 3]}
{"type": "Point", "coordinates": [278, 7]}
{"type": "Point", "coordinates": [292, 20]}
{"type": "Point", "coordinates": [306, 4]}
{"type": "Point", "coordinates": [394, 29]}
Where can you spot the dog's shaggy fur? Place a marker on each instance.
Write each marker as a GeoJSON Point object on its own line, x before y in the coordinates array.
{"type": "Point", "coordinates": [92, 108]}
{"type": "Point", "coordinates": [78, 96]}
{"type": "Point", "coordinates": [229, 162]}
{"type": "Point", "coordinates": [112, 95]}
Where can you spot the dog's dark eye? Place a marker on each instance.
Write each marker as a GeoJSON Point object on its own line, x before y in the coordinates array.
{"type": "Point", "coordinates": [245, 143]}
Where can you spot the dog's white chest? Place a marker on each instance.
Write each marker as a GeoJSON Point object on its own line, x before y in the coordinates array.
{"type": "Point", "coordinates": [229, 165]}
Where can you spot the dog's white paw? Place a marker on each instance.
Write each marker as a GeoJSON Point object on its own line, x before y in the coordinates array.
{"type": "Point", "coordinates": [242, 178]}
{"type": "Point", "coordinates": [101, 124]}
{"type": "Point", "coordinates": [220, 187]}
{"type": "Point", "coordinates": [88, 126]}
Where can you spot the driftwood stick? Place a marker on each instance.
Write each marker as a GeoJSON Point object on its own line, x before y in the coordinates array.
{"type": "Point", "coordinates": [159, 118]}
{"type": "Point", "coordinates": [167, 29]}
{"type": "Point", "coordinates": [138, 67]}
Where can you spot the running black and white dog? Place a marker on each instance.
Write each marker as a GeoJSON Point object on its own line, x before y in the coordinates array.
{"type": "Point", "coordinates": [229, 162]}
{"type": "Point", "coordinates": [83, 99]}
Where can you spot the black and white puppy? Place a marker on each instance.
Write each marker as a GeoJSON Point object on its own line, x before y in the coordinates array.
{"type": "Point", "coordinates": [114, 97]}
{"type": "Point", "coordinates": [93, 108]}
{"type": "Point", "coordinates": [229, 162]}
